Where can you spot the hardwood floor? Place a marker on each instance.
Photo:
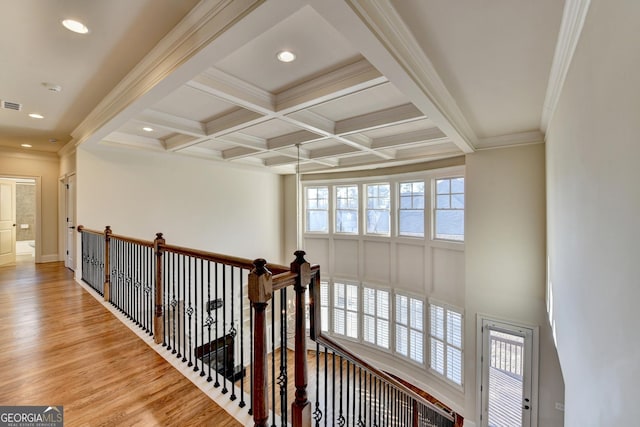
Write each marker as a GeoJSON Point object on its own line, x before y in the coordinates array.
{"type": "Point", "coordinates": [61, 347]}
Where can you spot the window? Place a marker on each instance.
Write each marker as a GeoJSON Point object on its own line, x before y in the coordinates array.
{"type": "Point", "coordinates": [409, 328]}
{"type": "Point", "coordinates": [324, 306]}
{"type": "Point", "coordinates": [446, 342]}
{"type": "Point", "coordinates": [317, 209]}
{"type": "Point", "coordinates": [411, 209]}
{"type": "Point", "coordinates": [347, 209]}
{"type": "Point", "coordinates": [449, 209]}
{"type": "Point", "coordinates": [378, 214]}
{"type": "Point", "coordinates": [375, 318]}
{"type": "Point", "coordinates": [345, 310]}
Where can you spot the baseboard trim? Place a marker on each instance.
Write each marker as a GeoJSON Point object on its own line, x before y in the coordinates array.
{"type": "Point", "coordinates": [48, 258]}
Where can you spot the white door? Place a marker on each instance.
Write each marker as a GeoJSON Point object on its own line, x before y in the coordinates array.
{"type": "Point", "coordinates": [7, 221]}
{"type": "Point", "coordinates": [70, 245]}
{"type": "Point", "coordinates": [507, 375]}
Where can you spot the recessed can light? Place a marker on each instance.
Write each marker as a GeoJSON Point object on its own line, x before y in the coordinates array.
{"type": "Point", "coordinates": [286, 56]}
{"type": "Point", "coordinates": [75, 26]}
{"type": "Point", "coordinates": [25, 145]}
{"type": "Point", "coordinates": [51, 87]}
{"type": "Point", "coordinates": [147, 129]}
{"type": "Point", "coordinates": [36, 116]}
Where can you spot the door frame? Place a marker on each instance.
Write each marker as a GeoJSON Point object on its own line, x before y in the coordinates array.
{"type": "Point", "coordinates": [62, 215]}
{"type": "Point", "coordinates": [38, 236]}
{"type": "Point", "coordinates": [535, 362]}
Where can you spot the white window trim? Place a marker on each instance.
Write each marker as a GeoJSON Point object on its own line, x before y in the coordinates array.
{"type": "Point", "coordinates": [447, 307]}
{"type": "Point", "coordinates": [358, 210]}
{"type": "Point", "coordinates": [365, 207]}
{"type": "Point", "coordinates": [332, 309]}
{"type": "Point", "coordinates": [433, 208]}
{"type": "Point", "coordinates": [390, 320]}
{"type": "Point", "coordinates": [425, 324]}
{"type": "Point", "coordinates": [305, 209]}
{"type": "Point", "coordinates": [425, 212]}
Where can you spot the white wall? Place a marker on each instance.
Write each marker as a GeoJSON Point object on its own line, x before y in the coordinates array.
{"type": "Point", "coordinates": [44, 167]}
{"type": "Point", "coordinates": [505, 260]}
{"type": "Point", "coordinates": [196, 203]}
{"type": "Point", "coordinates": [593, 209]}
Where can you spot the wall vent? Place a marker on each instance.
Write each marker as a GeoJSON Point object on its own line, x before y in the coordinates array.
{"type": "Point", "coordinates": [8, 105]}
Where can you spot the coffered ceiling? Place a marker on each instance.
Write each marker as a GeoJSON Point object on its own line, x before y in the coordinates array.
{"type": "Point", "coordinates": [374, 83]}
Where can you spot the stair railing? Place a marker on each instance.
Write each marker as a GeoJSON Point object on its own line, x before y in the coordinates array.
{"type": "Point", "coordinates": [195, 305]}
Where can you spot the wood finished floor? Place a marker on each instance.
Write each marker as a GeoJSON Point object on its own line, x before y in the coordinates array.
{"type": "Point", "coordinates": [61, 347]}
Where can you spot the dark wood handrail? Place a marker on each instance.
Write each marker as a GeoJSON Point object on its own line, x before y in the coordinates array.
{"type": "Point", "coordinates": [346, 354]}
{"type": "Point", "coordinates": [317, 336]}
{"type": "Point", "coordinates": [244, 263]}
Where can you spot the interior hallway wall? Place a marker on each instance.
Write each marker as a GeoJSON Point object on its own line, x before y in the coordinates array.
{"type": "Point", "coordinates": [196, 203]}
{"type": "Point", "coordinates": [20, 163]}
{"type": "Point", "coordinates": [593, 206]}
{"type": "Point", "coordinates": [505, 260]}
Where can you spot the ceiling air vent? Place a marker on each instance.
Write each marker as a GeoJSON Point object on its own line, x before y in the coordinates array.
{"type": "Point", "coordinates": [8, 105]}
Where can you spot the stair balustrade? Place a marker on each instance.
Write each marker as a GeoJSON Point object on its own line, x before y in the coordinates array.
{"type": "Point", "coordinates": [228, 318]}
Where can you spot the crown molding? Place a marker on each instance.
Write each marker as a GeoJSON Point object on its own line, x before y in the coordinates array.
{"type": "Point", "coordinates": [573, 18]}
{"type": "Point", "coordinates": [203, 24]}
{"type": "Point", "coordinates": [385, 23]}
{"type": "Point", "coordinates": [29, 154]}
{"type": "Point", "coordinates": [521, 138]}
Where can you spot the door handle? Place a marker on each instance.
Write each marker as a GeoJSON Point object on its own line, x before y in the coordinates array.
{"type": "Point", "coordinates": [526, 407]}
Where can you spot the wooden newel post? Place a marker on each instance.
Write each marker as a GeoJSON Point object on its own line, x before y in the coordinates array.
{"type": "Point", "coordinates": [107, 269]}
{"type": "Point", "coordinates": [301, 407]}
{"type": "Point", "coordinates": [158, 323]}
{"type": "Point", "coordinates": [260, 290]}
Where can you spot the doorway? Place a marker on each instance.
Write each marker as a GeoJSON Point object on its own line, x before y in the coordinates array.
{"type": "Point", "coordinates": [18, 218]}
{"type": "Point", "coordinates": [509, 374]}
{"type": "Point", "coordinates": [69, 189]}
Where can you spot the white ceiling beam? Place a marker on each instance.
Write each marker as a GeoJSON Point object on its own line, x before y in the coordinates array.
{"type": "Point", "coordinates": [376, 29]}
{"type": "Point", "coordinates": [158, 119]}
{"type": "Point", "coordinates": [231, 89]}
{"type": "Point", "coordinates": [238, 153]}
{"type": "Point", "coordinates": [246, 141]}
{"type": "Point", "coordinates": [176, 56]}
{"type": "Point", "coordinates": [291, 139]}
{"type": "Point", "coordinates": [335, 84]}
{"type": "Point", "coordinates": [311, 121]}
{"type": "Point", "coordinates": [233, 121]}
{"type": "Point", "coordinates": [432, 135]}
{"type": "Point", "coordinates": [180, 141]}
{"type": "Point", "coordinates": [291, 154]}
{"type": "Point", "coordinates": [337, 150]}
{"type": "Point", "coordinates": [202, 152]}
{"type": "Point", "coordinates": [390, 116]}
{"type": "Point", "coordinates": [134, 141]}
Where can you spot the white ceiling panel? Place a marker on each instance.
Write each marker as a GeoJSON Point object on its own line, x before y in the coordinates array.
{"type": "Point", "coordinates": [318, 48]}
{"type": "Point", "coordinates": [193, 104]}
{"type": "Point", "coordinates": [363, 102]}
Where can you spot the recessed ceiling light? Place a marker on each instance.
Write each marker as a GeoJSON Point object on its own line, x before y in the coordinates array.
{"type": "Point", "coordinates": [52, 87]}
{"type": "Point", "coordinates": [25, 145]}
{"type": "Point", "coordinates": [75, 26]}
{"type": "Point", "coordinates": [286, 56]}
{"type": "Point", "coordinates": [53, 140]}
{"type": "Point", "coordinates": [147, 129]}
{"type": "Point", "coordinates": [36, 116]}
